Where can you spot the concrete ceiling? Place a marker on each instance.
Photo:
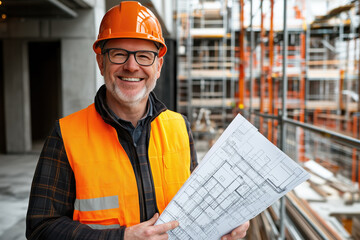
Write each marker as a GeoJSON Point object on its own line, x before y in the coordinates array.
{"type": "Point", "coordinates": [42, 8]}
{"type": "Point", "coordinates": [59, 8]}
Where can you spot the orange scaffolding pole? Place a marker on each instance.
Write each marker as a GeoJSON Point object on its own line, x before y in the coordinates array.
{"type": "Point", "coordinates": [242, 58]}
{"type": "Point", "coordinates": [269, 77]}
{"type": "Point", "coordinates": [276, 94]}
{"type": "Point", "coordinates": [302, 80]}
{"type": "Point", "coordinates": [358, 86]}
{"type": "Point", "coordinates": [357, 133]}
{"type": "Point", "coordinates": [262, 78]}
{"type": "Point", "coordinates": [302, 96]}
{"type": "Point", "coordinates": [342, 77]}
{"type": "Point", "coordinates": [276, 111]}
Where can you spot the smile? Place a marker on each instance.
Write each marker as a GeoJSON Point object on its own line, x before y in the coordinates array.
{"type": "Point", "coordinates": [131, 79]}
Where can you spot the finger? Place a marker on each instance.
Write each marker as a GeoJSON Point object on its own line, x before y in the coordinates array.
{"type": "Point", "coordinates": [237, 234]}
{"type": "Point", "coordinates": [226, 237]}
{"type": "Point", "coordinates": [240, 231]}
{"type": "Point", "coordinates": [232, 236]}
{"type": "Point", "coordinates": [152, 220]}
{"type": "Point", "coordinates": [164, 236]}
{"type": "Point", "coordinates": [243, 227]}
{"type": "Point", "coordinates": [163, 228]}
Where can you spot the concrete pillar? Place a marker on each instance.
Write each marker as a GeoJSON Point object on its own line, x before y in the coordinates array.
{"type": "Point", "coordinates": [78, 67]}
{"type": "Point", "coordinates": [78, 63]}
{"type": "Point", "coordinates": [17, 96]}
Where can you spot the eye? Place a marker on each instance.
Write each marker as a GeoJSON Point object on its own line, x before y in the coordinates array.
{"type": "Point", "coordinates": [118, 53]}
{"type": "Point", "coordinates": [144, 55]}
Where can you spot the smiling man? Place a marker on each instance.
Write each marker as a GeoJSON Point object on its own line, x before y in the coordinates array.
{"type": "Point", "coordinates": [109, 170]}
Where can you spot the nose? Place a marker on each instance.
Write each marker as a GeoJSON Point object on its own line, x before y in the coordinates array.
{"type": "Point", "coordinates": [131, 64]}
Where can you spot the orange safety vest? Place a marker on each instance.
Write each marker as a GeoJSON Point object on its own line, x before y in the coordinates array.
{"type": "Point", "coordinates": [106, 188]}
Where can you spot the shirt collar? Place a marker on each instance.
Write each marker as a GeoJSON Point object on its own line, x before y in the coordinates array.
{"type": "Point", "coordinates": [149, 113]}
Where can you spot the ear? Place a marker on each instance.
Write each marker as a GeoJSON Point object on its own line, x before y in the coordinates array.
{"type": "Point", "coordinates": [100, 62]}
{"type": "Point", "coordinates": [159, 66]}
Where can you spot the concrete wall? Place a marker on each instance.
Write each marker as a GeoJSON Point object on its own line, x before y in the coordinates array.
{"type": "Point", "coordinates": [79, 73]}
{"type": "Point", "coordinates": [17, 98]}
{"type": "Point", "coordinates": [79, 68]}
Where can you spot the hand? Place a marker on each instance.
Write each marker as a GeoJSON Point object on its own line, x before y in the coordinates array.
{"type": "Point", "coordinates": [237, 233]}
{"type": "Point", "coordinates": [147, 230]}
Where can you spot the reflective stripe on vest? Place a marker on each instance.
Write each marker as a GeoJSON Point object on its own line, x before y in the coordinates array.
{"type": "Point", "coordinates": [106, 188]}
{"type": "Point", "coordinates": [94, 204]}
{"type": "Point", "coordinates": [98, 226]}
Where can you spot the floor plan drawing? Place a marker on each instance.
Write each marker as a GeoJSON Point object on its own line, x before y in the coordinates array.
{"type": "Point", "coordinates": [240, 176]}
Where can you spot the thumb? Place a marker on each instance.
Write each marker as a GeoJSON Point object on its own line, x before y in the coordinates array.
{"type": "Point", "coordinates": [153, 220]}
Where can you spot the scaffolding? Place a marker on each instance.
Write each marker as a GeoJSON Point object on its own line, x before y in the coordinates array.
{"type": "Point", "coordinates": [305, 101]}
{"type": "Point", "coordinates": [297, 82]}
{"type": "Point", "coordinates": [207, 65]}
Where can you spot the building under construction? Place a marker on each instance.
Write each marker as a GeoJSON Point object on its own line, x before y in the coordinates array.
{"type": "Point", "coordinates": [291, 67]}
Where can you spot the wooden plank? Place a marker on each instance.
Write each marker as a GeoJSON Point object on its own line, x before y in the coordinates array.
{"type": "Point", "coordinates": [209, 73]}
{"type": "Point", "coordinates": [207, 32]}
{"type": "Point", "coordinates": [254, 230]}
{"type": "Point", "coordinates": [316, 220]}
{"type": "Point", "coordinates": [304, 227]}
{"type": "Point", "coordinates": [356, 228]}
{"type": "Point", "coordinates": [333, 117]}
{"type": "Point", "coordinates": [323, 224]}
{"type": "Point", "coordinates": [325, 62]}
{"type": "Point", "coordinates": [267, 229]}
{"type": "Point", "coordinates": [208, 102]}
{"type": "Point", "coordinates": [318, 189]}
{"type": "Point", "coordinates": [323, 73]}
{"type": "Point", "coordinates": [203, 65]}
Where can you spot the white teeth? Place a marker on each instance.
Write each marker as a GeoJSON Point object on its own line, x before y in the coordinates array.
{"type": "Point", "coordinates": [131, 79]}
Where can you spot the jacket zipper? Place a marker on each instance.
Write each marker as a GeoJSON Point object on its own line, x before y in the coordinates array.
{"type": "Point", "coordinates": [137, 174]}
{"type": "Point", "coordinates": [150, 171]}
{"type": "Point", "coordinates": [147, 150]}
{"type": "Point", "coordinates": [139, 183]}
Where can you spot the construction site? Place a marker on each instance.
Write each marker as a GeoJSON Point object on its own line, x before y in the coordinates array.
{"type": "Point", "coordinates": [290, 67]}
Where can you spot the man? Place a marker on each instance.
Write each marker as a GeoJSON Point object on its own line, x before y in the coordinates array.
{"type": "Point", "coordinates": [107, 171]}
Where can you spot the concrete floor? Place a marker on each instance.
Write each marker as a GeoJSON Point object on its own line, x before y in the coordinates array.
{"type": "Point", "coordinates": [16, 173]}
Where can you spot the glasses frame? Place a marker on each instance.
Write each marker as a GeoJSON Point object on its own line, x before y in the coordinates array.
{"type": "Point", "coordinates": [128, 55]}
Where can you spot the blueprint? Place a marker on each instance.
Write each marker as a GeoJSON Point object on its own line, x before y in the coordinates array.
{"type": "Point", "coordinates": [240, 176]}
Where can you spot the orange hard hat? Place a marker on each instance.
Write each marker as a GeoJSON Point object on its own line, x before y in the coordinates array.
{"type": "Point", "coordinates": [130, 19]}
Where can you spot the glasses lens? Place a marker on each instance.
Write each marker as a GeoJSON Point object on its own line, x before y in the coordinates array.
{"type": "Point", "coordinates": [118, 55]}
{"type": "Point", "coordinates": [145, 58]}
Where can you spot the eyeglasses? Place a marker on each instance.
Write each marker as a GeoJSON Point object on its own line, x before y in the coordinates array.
{"type": "Point", "coordinates": [120, 56]}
